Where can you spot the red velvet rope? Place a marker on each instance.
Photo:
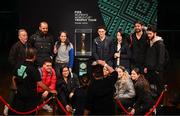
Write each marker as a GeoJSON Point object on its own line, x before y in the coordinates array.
{"type": "Point", "coordinates": [67, 113]}
{"type": "Point", "coordinates": [62, 107]}
{"type": "Point", "coordinates": [38, 107]}
{"type": "Point", "coordinates": [17, 112]}
{"type": "Point", "coordinates": [148, 113]}
{"type": "Point", "coordinates": [155, 106]}
{"type": "Point", "coordinates": [119, 102]}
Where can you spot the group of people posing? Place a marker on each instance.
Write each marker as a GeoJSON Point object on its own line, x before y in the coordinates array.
{"type": "Point", "coordinates": [42, 67]}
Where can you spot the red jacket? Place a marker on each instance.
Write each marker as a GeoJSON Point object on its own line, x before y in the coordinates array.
{"type": "Point", "coordinates": [49, 79]}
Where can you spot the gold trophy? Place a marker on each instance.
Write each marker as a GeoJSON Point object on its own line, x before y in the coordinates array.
{"type": "Point", "coordinates": [83, 36]}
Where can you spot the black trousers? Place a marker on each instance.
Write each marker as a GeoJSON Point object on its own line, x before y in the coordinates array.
{"type": "Point", "coordinates": [126, 102]}
{"type": "Point", "coordinates": [156, 79]}
{"type": "Point", "coordinates": [23, 104]}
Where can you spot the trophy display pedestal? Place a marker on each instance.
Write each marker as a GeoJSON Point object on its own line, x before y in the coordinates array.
{"type": "Point", "coordinates": [83, 51]}
{"type": "Point", "coordinates": [82, 65]}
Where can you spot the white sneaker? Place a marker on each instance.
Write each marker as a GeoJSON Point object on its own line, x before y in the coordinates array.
{"type": "Point", "coordinates": [5, 110]}
{"type": "Point", "coordinates": [47, 108]}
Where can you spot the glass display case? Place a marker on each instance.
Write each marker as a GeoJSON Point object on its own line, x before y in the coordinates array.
{"type": "Point", "coordinates": [83, 42]}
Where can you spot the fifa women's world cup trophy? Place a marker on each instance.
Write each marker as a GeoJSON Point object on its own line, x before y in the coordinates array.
{"type": "Point", "coordinates": [83, 37]}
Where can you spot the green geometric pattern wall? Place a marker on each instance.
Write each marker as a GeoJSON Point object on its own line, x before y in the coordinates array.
{"type": "Point", "coordinates": [123, 13]}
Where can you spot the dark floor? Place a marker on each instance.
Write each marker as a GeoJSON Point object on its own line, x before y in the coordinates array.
{"type": "Point", "coordinates": [171, 98]}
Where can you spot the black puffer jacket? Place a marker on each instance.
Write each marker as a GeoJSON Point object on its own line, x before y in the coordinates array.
{"type": "Point", "coordinates": [44, 45]}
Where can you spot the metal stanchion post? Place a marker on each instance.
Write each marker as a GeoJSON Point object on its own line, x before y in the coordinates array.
{"type": "Point", "coordinates": [54, 104]}
{"type": "Point", "coordinates": [165, 95]}
{"type": "Point", "coordinates": [165, 87]}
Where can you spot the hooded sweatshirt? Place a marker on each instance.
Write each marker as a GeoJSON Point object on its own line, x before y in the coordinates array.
{"type": "Point", "coordinates": [155, 56]}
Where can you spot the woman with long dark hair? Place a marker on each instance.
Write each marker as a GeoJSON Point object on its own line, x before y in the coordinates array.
{"type": "Point", "coordinates": [122, 53]}
{"type": "Point", "coordinates": [144, 100]}
{"type": "Point", "coordinates": [66, 85]}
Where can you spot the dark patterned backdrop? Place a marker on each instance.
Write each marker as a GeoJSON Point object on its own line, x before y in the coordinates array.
{"type": "Point", "coordinates": [122, 13]}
